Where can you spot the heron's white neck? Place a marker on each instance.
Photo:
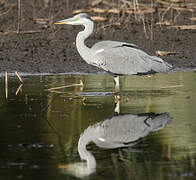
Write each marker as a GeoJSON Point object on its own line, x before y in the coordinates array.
{"type": "Point", "coordinates": [83, 50]}
{"type": "Point", "coordinates": [84, 153]}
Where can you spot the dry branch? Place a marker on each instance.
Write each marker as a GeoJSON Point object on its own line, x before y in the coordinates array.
{"type": "Point", "coordinates": [114, 11]}
{"type": "Point", "coordinates": [167, 23]}
{"type": "Point", "coordinates": [41, 21]}
{"type": "Point", "coordinates": [183, 9]}
{"type": "Point", "coordinates": [174, 86]}
{"type": "Point", "coordinates": [139, 12]}
{"type": "Point", "coordinates": [96, 2]}
{"type": "Point", "coordinates": [77, 11]}
{"type": "Point", "coordinates": [98, 10]}
{"type": "Point", "coordinates": [99, 18]}
{"type": "Point", "coordinates": [184, 27]}
{"type": "Point", "coordinates": [164, 53]}
{"type": "Point", "coordinates": [6, 85]}
{"type": "Point", "coordinates": [177, 4]}
{"type": "Point", "coordinates": [6, 12]}
{"type": "Point", "coordinates": [19, 88]}
{"type": "Point", "coordinates": [193, 18]}
{"type": "Point", "coordinates": [108, 3]}
{"type": "Point", "coordinates": [19, 16]}
{"type": "Point", "coordinates": [21, 32]}
{"type": "Point", "coordinates": [20, 79]}
{"type": "Point", "coordinates": [71, 85]}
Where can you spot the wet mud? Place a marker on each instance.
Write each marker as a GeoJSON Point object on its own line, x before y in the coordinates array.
{"type": "Point", "coordinates": [30, 42]}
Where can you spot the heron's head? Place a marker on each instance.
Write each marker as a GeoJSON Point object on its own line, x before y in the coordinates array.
{"type": "Point", "coordinates": [79, 19]}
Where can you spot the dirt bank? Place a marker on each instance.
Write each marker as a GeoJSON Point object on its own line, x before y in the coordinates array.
{"type": "Point", "coordinates": [29, 42]}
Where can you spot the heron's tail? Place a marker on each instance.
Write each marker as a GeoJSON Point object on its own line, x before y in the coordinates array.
{"type": "Point", "coordinates": [159, 121]}
{"type": "Point", "coordinates": [160, 66]}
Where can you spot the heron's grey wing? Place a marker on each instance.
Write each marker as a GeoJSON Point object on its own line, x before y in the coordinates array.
{"type": "Point", "coordinates": [124, 58]}
{"type": "Point", "coordinates": [110, 44]}
{"type": "Point", "coordinates": [121, 131]}
{"type": "Point", "coordinates": [126, 130]}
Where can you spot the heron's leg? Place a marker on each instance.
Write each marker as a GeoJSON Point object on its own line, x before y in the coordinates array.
{"type": "Point", "coordinates": [116, 82]}
{"type": "Point", "coordinates": [117, 106]}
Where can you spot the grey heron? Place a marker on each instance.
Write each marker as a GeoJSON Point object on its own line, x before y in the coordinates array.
{"type": "Point", "coordinates": [117, 58]}
{"type": "Point", "coordinates": [116, 131]}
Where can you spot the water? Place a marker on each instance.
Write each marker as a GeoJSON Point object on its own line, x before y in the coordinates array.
{"type": "Point", "coordinates": [40, 127]}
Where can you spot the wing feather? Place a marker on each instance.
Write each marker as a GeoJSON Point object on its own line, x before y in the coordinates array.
{"type": "Point", "coordinates": [125, 58]}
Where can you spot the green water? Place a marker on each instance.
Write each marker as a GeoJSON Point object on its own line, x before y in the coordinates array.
{"type": "Point", "coordinates": [40, 128]}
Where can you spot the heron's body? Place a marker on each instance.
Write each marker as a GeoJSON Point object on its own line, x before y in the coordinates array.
{"type": "Point", "coordinates": [119, 131]}
{"type": "Point", "coordinates": [116, 131]}
{"type": "Point", "coordinates": [124, 130]}
{"type": "Point", "coordinates": [115, 57]}
{"type": "Point", "coordinates": [123, 58]}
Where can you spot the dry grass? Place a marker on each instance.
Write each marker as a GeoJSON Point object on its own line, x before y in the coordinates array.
{"type": "Point", "coordinates": [6, 84]}
{"type": "Point", "coordinates": [19, 77]}
{"type": "Point", "coordinates": [169, 11]}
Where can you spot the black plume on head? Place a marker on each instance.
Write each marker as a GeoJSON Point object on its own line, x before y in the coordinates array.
{"type": "Point", "coordinates": [84, 15]}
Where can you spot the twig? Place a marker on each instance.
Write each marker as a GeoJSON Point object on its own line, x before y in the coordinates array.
{"type": "Point", "coordinates": [178, 14]}
{"type": "Point", "coordinates": [6, 85]}
{"type": "Point", "coordinates": [164, 2]}
{"type": "Point", "coordinates": [21, 32]}
{"type": "Point", "coordinates": [176, 5]}
{"type": "Point", "coordinates": [139, 12]}
{"type": "Point", "coordinates": [184, 27]}
{"type": "Point", "coordinates": [183, 9]}
{"type": "Point", "coordinates": [193, 18]}
{"type": "Point", "coordinates": [96, 2]}
{"type": "Point", "coordinates": [6, 12]}
{"type": "Point", "coordinates": [71, 85]}
{"type": "Point", "coordinates": [20, 79]}
{"type": "Point", "coordinates": [81, 11]}
{"type": "Point", "coordinates": [167, 23]}
{"type": "Point", "coordinates": [75, 97]}
{"type": "Point", "coordinates": [99, 18]}
{"type": "Point", "coordinates": [144, 27]}
{"type": "Point", "coordinates": [19, 16]}
{"type": "Point", "coordinates": [112, 24]}
{"type": "Point", "coordinates": [57, 92]}
{"type": "Point", "coordinates": [108, 3]}
{"type": "Point", "coordinates": [42, 21]}
{"type": "Point", "coordinates": [174, 86]}
{"type": "Point", "coordinates": [19, 88]}
{"type": "Point", "coordinates": [98, 10]}
{"type": "Point", "coordinates": [114, 11]}
{"type": "Point", "coordinates": [164, 53]}
{"type": "Point", "coordinates": [165, 12]}
{"type": "Point", "coordinates": [128, 3]}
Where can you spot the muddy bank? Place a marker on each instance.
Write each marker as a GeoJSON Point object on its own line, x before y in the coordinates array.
{"type": "Point", "coordinates": [43, 47]}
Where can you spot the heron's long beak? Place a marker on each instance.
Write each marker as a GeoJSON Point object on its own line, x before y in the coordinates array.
{"type": "Point", "coordinates": [65, 21]}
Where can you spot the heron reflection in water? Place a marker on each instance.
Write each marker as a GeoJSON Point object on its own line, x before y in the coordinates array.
{"type": "Point", "coordinates": [117, 58]}
{"type": "Point", "coordinates": [116, 131]}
